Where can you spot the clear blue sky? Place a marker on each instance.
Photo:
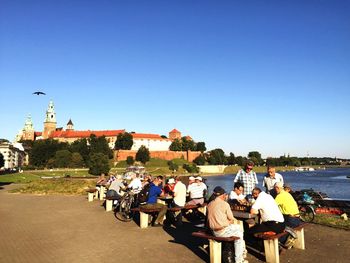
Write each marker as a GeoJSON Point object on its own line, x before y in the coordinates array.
{"type": "Point", "coordinates": [271, 76]}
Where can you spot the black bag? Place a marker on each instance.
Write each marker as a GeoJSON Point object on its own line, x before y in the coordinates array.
{"type": "Point", "coordinates": [143, 194]}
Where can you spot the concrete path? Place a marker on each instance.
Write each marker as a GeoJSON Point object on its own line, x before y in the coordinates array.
{"type": "Point", "coordinates": [58, 228]}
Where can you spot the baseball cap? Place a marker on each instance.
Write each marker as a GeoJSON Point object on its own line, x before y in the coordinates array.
{"type": "Point", "coordinates": [198, 178]}
{"type": "Point", "coordinates": [218, 190]}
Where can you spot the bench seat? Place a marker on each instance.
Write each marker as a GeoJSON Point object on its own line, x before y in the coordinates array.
{"type": "Point", "coordinates": [214, 244]}
{"type": "Point", "coordinates": [92, 193]}
{"type": "Point", "coordinates": [271, 243]}
{"type": "Point", "coordinates": [109, 202]}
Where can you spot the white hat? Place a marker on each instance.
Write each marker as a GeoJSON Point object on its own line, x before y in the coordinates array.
{"type": "Point", "coordinates": [171, 181]}
{"type": "Point", "coordinates": [191, 178]}
{"type": "Point", "coordinates": [199, 178]}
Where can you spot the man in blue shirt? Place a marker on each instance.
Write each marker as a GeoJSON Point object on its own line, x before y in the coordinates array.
{"type": "Point", "coordinates": [155, 191]}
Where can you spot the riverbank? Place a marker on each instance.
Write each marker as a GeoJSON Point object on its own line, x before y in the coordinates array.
{"type": "Point", "coordinates": [57, 228]}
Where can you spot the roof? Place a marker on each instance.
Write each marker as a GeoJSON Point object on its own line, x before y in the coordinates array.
{"type": "Point", "coordinates": [37, 133]}
{"type": "Point", "coordinates": [70, 122]}
{"type": "Point", "coordinates": [84, 134]}
{"type": "Point", "coordinates": [174, 130]}
{"type": "Point", "coordinates": [147, 136]}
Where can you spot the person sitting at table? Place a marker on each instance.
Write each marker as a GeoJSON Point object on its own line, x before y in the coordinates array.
{"type": "Point", "coordinates": [222, 223]}
{"type": "Point", "coordinates": [236, 195]}
{"type": "Point", "coordinates": [135, 185]}
{"type": "Point", "coordinates": [155, 191]}
{"type": "Point", "coordinates": [287, 206]}
{"type": "Point", "coordinates": [116, 188]}
{"type": "Point", "coordinates": [197, 192]}
{"type": "Point", "coordinates": [271, 216]}
{"type": "Point", "coordinates": [101, 179]}
{"type": "Point", "coordinates": [169, 186]}
{"type": "Point", "coordinates": [179, 200]}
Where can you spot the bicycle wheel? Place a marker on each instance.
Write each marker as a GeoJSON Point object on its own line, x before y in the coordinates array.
{"type": "Point", "coordinates": [307, 213]}
{"type": "Point", "coordinates": [124, 213]}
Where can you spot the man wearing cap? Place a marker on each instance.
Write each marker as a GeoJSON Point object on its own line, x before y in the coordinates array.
{"type": "Point", "coordinates": [270, 179]}
{"type": "Point", "coordinates": [197, 191]}
{"type": "Point", "coordinates": [248, 178]}
{"type": "Point", "coordinates": [221, 222]}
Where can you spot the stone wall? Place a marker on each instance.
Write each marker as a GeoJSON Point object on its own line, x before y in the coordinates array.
{"type": "Point", "coordinates": [121, 155]}
{"type": "Point", "coordinates": [212, 168]}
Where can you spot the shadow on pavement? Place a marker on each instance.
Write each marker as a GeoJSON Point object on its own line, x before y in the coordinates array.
{"type": "Point", "coordinates": [182, 235]}
{"type": "Point", "coordinates": [3, 184]}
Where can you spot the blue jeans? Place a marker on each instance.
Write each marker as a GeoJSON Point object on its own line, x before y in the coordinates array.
{"type": "Point", "coordinates": [233, 230]}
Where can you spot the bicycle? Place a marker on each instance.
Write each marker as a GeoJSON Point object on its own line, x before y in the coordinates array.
{"type": "Point", "coordinates": [123, 211]}
{"type": "Point", "coordinates": [306, 212]}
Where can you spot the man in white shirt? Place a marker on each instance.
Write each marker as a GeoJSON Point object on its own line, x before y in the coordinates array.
{"type": "Point", "coordinates": [271, 216]}
{"type": "Point", "coordinates": [135, 184]}
{"type": "Point", "coordinates": [179, 200]}
{"type": "Point", "coordinates": [197, 191]}
{"type": "Point", "coordinates": [236, 194]}
{"type": "Point", "coordinates": [270, 179]}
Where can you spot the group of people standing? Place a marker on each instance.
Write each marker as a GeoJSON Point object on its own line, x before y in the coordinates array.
{"type": "Point", "coordinates": [275, 206]}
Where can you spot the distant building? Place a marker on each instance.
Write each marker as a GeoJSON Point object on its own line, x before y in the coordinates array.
{"type": "Point", "coordinates": [14, 155]}
{"type": "Point", "coordinates": [154, 142]}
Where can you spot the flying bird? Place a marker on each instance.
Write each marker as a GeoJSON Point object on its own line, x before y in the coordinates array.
{"type": "Point", "coordinates": [39, 93]}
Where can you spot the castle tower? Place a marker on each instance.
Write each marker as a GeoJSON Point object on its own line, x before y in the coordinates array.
{"type": "Point", "coordinates": [28, 130]}
{"type": "Point", "coordinates": [174, 134]}
{"type": "Point", "coordinates": [70, 126]}
{"type": "Point", "coordinates": [50, 121]}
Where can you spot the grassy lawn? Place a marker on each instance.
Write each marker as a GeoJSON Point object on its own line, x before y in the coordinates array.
{"type": "Point", "coordinates": [332, 220]}
{"type": "Point", "coordinates": [56, 186]}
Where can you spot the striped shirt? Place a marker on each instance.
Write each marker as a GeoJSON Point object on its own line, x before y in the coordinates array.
{"type": "Point", "coordinates": [196, 190]}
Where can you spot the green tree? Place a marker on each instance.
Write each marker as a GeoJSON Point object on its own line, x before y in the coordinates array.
{"type": "Point", "coordinates": [2, 160]}
{"type": "Point", "coordinates": [99, 164]}
{"type": "Point", "coordinates": [217, 157]}
{"type": "Point", "coordinates": [188, 144]}
{"type": "Point", "coordinates": [77, 160]}
{"type": "Point", "coordinates": [231, 159]}
{"type": "Point", "coordinates": [100, 145]}
{"type": "Point", "coordinates": [176, 145]}
{"type": "Point", "coordinates": [240, 160]}
{"type": "Point", "coordinates": [201, 147]}
{"type": "Point", "coordinates": [130, 160]}
{"type": "Point", "coordinates": [255, 156]}
{"type": "Point", "coordinates": [43, 150]}
{"type": "Point", "coordinates": [81, 146]}
{"type": "Point", "coordinates": [199, 160]}
{"type": "Point", "coordinates": [63, 158]}
{"type": "Point", "coordinates": [124, 141]}
{"type": "Point", "coordinates": [143, 155]}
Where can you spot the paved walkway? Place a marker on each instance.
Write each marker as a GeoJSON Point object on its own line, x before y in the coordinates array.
{"type": "Point", "coordinates": [69, 229]}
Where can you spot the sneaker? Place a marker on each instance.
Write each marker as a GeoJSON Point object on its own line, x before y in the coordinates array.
{"type": "Point", "coordinates": [290, 242]}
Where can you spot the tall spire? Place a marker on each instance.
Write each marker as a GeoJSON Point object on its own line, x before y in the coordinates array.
{"type": "Point", "coordinates": [50, 113]}
{"type": "Point", "coordinates": [28, 125]}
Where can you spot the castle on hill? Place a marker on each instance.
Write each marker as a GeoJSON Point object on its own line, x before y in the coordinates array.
{"type": "Point", "coordinates": [154, 142]}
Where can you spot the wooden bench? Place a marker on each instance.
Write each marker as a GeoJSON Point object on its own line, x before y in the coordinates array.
{"type": "Point", "coordinates": [214, 244]}
{"type": "Point", "coordinates": [271, 243]}
{"type": "Point", "coordinates": [109, 203]}
{"type": "Point", "coordinates": [92, 193]}
{"type": "Point", "coordinates": [144, 212]}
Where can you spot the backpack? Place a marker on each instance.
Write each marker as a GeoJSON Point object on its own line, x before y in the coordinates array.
{"type": "Point", "coordinates": [143, 194]}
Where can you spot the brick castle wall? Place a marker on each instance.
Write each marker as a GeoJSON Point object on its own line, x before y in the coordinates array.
{"type": "Point", "coordinates": [121, 155]}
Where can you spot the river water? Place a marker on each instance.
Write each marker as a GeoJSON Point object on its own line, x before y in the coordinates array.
{"type": "Point", "coordinates": [333, 182]}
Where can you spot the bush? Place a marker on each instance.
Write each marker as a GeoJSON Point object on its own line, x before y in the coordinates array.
{"type": "Point", "coordinates": [173, 166]}
{"type": "Point", "coordinates": [130, 160]}
{"type": "Point", "coordinates": [199, 160]}
{"type": "Point", "coordinates": [143, 155]}
{"type": "Point", "coordinates": [191, 168]}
